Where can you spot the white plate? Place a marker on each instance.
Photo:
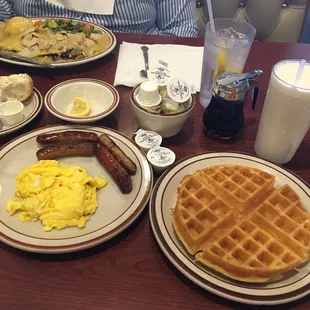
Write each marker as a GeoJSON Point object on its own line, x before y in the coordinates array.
{"type": "Point", "coordinates": [292, 286]}
{"type": "Point", "coordinates": [71, 63]}
{"type": "Point", "coordinates": [103, 99]}
{"type": "Point", "coordinates": [32, 107]}
{"type": "Point", "coordinates": [115, 211]}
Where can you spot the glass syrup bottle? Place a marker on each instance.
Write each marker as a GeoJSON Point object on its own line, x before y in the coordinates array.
{"type": "Point", "coordinates": [223, 118]}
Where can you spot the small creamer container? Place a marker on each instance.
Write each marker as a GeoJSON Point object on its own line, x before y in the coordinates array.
{"type": "Point", "coordinates": [148, 94]}
{"type": "Point", "coordinates": [160, 75]}
{"type": "Point", "coordinates": [160, 158]}
{"type": "Point", "coordinates": [178, 90]}
{"type": "Point", "coordinates": [11, 112]}
{"type": "Point", "coordinates": [148, 139]}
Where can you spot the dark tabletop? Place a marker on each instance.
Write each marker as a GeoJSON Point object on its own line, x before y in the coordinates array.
{"type": "Point", "coordinates": [130, 271]}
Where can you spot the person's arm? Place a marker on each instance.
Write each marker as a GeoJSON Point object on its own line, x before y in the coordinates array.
{"type": "Point", "coordinates": [177, 17]}
{"type": "Point", "coordinates": [6, 9]}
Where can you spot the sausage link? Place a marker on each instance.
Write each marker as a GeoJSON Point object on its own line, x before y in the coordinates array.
{"type": "Point", "coordinates": [53, 152]}
{"type": "Point", "coordinates": [67, 137]}
{"type": "Point", "coordinates": [114, 168]}
{"type": "Point", "coordinates": [119, 155]}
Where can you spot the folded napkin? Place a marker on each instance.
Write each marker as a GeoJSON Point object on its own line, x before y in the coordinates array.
{"type": "Point", "coordinates": [183, 62]}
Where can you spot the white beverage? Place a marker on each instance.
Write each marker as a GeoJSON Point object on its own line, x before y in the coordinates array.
{"type": "Point", "coordinates": [285, 118]}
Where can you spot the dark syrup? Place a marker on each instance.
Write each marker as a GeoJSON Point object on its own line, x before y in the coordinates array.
{"type": "Point", "coordinates": [223, 119]}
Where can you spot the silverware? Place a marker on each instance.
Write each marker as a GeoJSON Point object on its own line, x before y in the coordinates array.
{"type": "Point", "coordinates": [143, 73]}
{"type": "Point", "coordinates": [14, 56]}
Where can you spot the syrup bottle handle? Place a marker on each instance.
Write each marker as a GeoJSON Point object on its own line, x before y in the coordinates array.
{"type": "Point", "coordinates": [255, 90]}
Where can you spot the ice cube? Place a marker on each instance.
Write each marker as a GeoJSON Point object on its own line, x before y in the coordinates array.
{"type": "Point", "coordinates": [231, 33]}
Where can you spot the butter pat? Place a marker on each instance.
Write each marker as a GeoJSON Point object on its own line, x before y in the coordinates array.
{"type": "Point", "coordinates": [160, 158]}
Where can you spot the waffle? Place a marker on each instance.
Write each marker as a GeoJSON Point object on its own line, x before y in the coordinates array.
{"type": "Point", "coordinates": [199, 214]}
{"type": "Point", "coordinates": [232, 219]}
{"type": "Point", "coordinates": [284, 217]}
{"type": "Point", "coordinates": [242, 186]}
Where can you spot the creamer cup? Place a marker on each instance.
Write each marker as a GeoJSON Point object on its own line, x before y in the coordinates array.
{"type": "Point", "coordinates": [148, 94]}
{"type": "Point", "coordinates": [160, 158]}
{"type": "Point", "coordinates": [11, 112]}
{"type": "Point", "coordinates": [178, 90]}
{"type": "Point", "coordinates": [160, 75]}
{"type": "Point", "coordinates": [148, 139]}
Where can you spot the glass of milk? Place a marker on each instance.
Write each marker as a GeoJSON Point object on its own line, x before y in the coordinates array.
{"type": "Point", "coordinates": [285, 118]}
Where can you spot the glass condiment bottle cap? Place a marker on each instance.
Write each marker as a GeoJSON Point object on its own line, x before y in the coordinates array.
{"type": "Point", "coordinates": [160, 75]}
{"type": "Point", "coordinates": [178, 90]}
{"type": "Point", "coordinates": [229, 87]}
{"type": "Point", "coordinates": [233, 86]}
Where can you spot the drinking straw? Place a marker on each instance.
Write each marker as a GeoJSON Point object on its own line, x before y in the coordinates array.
{"type": "Point", "coordinates": [300, 71]}
{"type": "Point", "coordinates": [211, 15]}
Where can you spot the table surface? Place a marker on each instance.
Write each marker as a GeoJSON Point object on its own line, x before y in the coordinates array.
{"type": "Point", "coordinates": [130, 271]}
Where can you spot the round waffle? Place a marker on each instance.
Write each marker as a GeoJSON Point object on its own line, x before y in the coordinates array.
{"type": "Point", "coordinates": [233, 219]}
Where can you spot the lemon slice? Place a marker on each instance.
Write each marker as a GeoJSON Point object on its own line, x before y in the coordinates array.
{"type": "Point", "coordinates": [221, 63]}
{"type": "Point", "coordinates": [81, 107]}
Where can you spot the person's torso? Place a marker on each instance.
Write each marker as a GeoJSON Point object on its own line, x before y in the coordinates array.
{"type": "Point", "coordinates": [135, 16]}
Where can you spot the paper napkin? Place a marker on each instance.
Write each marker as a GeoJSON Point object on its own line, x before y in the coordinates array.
{"type": "Point", "coordinates": [183, 62]}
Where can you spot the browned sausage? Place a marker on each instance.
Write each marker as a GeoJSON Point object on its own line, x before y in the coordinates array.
{"type": "Point", "coordinates": [117, 172]}
{"type": "Point", "coordinates": [119, 155]}
{"type": "Point", "coordinates": [52, 152]}
{"type": "Point", "coordinates": [65, 137]}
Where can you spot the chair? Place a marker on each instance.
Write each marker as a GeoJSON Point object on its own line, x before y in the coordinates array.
{"type": "Point", "coordinates": [274, 20]}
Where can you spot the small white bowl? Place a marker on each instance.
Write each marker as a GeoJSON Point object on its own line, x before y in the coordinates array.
{"type": "Point", "coordinates": [103, 99]}
{"type": "Point", "coordinates": [165, 125]}
{"type": "Point", "coordinates": [11, 112]}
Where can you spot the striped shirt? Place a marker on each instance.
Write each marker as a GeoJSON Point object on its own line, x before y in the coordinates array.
{"type": "Point", "coordinates": [164, 17]}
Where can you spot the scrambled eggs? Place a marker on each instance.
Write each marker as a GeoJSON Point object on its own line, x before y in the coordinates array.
{"type": "Point", "coordinates": [57, 194]}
